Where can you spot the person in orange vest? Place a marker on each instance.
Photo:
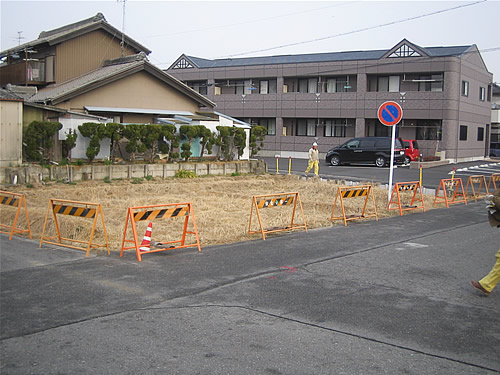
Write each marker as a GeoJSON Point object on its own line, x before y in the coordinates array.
{"type": "Point", "coordinates": [313, 159]}
{"type": "Point", "coordinates": [488, 283]}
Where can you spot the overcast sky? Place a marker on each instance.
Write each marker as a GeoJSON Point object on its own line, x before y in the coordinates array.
{"type": "Point", "coordinates": [211, 29]}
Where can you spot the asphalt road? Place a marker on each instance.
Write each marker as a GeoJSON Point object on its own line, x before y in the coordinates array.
{"type": "Point", "coordinates": [431, 177]}
{"type": "Point", "coordinates": [377, 297]}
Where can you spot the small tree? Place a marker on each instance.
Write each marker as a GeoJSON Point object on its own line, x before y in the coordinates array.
{"type": "Point", "coordinates": [257, 136]}
{"type": "Point", "coordinates": [168, 136]}
{"type": "Point", "coordinates": [150, 135]}
{"type": "Point", "coordinates": [113, 131]}
{"type": "Point", "coordinates": [186, 151]}
{"type": "Point", "coordinates": [223, 141]}
{"type": "Point", "coordinates": [39, 138]}
{"type": "Point", "coordinates": [94, 131]}
{"type": "Point", "coordinates": [239, 141]}
{"type": "Point", "coordinates": [70, 142]}
{"type": "Point", "coordinates": [207, 139]}
{"type": "Point", "coordinates": [188, 133]}
{"type": "Point", "coordinates": [133, 133]}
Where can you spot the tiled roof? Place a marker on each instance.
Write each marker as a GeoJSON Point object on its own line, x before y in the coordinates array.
{"type": "Point", "coordinates": [96, 76]}
{"type": "Point", "coordinates": [9, 95]}
{"type": "Point", "coordinates": [113, 70]}
{"type": "Point", "coordinates": [66, 32]}
{"type": "Point", "coordinates": [318, 57]}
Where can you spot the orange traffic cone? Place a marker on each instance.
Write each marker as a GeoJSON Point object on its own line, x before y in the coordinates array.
{"type": "Point", "coordinates": [146, 241]}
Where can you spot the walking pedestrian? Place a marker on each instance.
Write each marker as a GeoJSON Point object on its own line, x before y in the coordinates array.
{"type": "Point", "coordinates": [313, 159]}
{"type": "Point", "coordinates": [488, 283]}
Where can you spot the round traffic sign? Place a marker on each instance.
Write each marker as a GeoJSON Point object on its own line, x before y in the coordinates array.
{"type": "Point", "coordinates": [390, 113]}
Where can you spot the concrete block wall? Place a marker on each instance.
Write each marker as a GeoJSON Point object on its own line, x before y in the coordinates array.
{"type": "Point", "coordinates": [72, 173]}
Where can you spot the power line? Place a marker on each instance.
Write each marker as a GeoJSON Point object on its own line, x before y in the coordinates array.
{"type": "Point", "coordinates": [246, 22]}
{"type": "Point", "coordinates": [359, 30]}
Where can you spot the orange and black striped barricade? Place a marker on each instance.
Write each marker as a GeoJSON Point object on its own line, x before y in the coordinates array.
{"type": "Point", "coordinates": [276, 200]}
{"type": "Point", "coordinates": [158, 212]}
{"type": "Point", "coordinates": [453, 192]}
{"type": "Point", "coordinates": [80, 210]}
{"type": "Point", "coordinates": [363, 191]}
{"type": "Point", "coordinates": [476, 183]}
{"type": "Point", "coordinates": [399, 192]}
{"type": "Point", "coordinates": [17, 201]}
{"type": "Point", "coordinates": [495, 181]}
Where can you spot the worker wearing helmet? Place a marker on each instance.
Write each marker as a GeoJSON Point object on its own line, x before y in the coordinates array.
{"type": "Point", "coordinates": [313, 159]}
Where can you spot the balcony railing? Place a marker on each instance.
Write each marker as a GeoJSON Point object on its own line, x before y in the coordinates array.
{"type": "Point", "coordinates": [23, 73]}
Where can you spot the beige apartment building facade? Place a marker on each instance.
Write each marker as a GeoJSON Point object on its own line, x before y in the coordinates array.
{"type": "Point", "coordinates": [445, 93]}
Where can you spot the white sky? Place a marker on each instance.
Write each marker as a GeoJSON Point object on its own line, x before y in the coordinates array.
{"type": "Point", "coordinates": [217, 29]}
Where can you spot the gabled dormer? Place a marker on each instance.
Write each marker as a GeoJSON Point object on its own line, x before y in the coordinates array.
{"type": "Point", "coordinates": [183, 62]}
{"type": "Point", "coordinates": [405, 49]}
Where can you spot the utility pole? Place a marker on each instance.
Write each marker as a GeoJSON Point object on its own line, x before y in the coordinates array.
{"type": "Point", "coordinates": [122, 43]}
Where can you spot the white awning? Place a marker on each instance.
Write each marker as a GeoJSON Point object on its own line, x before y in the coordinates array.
{"type": "Point", "coordinates": [164, 112]}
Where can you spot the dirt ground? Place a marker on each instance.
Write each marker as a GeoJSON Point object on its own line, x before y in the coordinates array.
{"type": "Point", "coordinates": [221, 207]}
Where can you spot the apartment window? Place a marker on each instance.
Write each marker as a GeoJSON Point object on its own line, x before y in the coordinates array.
{"type": "Point", "coordinates": [308, 85]}
{"type": "Point", "coordinates": [480, 134]}
{"type": "Point", "coordinates": [388, 84]}
{"type": "Point", "coordinates": [306, 127]}
{"type": "Point", "coordinates": [429, 130]}
{"type": "Point", "coordinates": [489, 93]}
{"type": "Point", "coordinates": [465, 88]}
{"type": "Point", "coordinates": [268, 123]}
{"type": "Point", "coordinates": [239, 87]}
{"type": "Point", "coordinates": [334, 128]}
{"type": "Point", "coordinates": [264, 87]}
{"type": "Point", "coordinates": [199, 86]}
{"type": "Point", "coordinates": [482, 94]}
{"type": "Point", "coordinates": [338, 84]}
{"type": "Point", "coordinates": [433, 82]}
{"type": "Point", "coordinates": [463, 132]}
{"type": "Point", "coordinates": [267, 86]}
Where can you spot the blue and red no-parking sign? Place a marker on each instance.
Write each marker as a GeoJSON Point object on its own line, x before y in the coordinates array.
{"type": "Point", "coordinates": [390, 113]}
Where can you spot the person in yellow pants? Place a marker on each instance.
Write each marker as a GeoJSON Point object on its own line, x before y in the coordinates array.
{"type": "Point", "coordinates": [487, 283]}
{"type": "Point", "coordinates": [313, 159]}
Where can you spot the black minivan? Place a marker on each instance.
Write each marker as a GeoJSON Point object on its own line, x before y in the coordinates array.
{"type": "Point", "coordinates": [367, 150]}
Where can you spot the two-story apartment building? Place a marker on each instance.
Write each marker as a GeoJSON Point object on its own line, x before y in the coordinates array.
{"type": "Point", "coordinates": [445, 93]}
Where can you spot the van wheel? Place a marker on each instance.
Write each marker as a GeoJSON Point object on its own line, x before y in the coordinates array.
{"type": "Point", "coordinates": [380, 161]}
{"type": "Point", "coordinates": [407, 160]}
{"type": "Point", "coordinates": [335, 160]}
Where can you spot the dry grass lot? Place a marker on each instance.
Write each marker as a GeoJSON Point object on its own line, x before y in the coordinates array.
{"type": "Point", "coordinates": [221, 206]}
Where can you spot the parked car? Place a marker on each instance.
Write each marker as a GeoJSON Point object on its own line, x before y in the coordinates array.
{"type": "Point", "coordinates": [412, 153]}
{"type": "Point", "coordinates": [495, 149]}
{"type": "Point", "coordinates": [366, 150]}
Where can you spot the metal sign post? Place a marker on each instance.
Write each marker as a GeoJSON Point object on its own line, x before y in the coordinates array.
{"type": "Point", "coordinates": [390, 114]}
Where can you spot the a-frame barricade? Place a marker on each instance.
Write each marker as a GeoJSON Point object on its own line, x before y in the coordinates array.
{"type": "Point", "coordinates": [158, 212]}
{"type": "Point", "coordinates": [360, 191]}
{"type": "Point", "coordinates": [453, 192]}
{"type": "Point", "coordinates": [476, 184]}
{"type": "Point", "coordinates": [276, 200]}
{"type": "Point", "coordinates": [417, 198]}
{"type": "Point", "coordinates": [17, 201]}
{"type": "Point", "coordinates": [84, 210]}
{"type": "Point", "coordinates": [494, 182]}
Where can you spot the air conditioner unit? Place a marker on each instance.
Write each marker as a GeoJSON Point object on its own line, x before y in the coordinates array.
{"type": "Point", "coordinates": [285, 89]}
{"type": "Point", "coordinates": [217, 90]}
